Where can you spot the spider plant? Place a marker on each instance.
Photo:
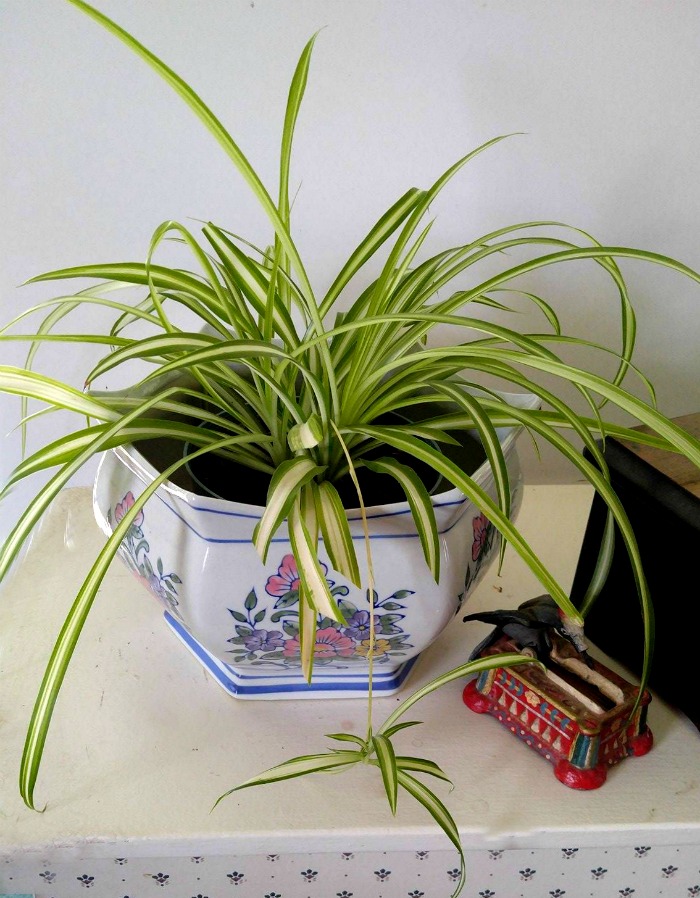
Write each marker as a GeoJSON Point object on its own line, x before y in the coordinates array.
{"type": "Point", "coordinates": [283, 383]}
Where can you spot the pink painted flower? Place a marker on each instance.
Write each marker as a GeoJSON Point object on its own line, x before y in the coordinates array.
{"type": "Point", "coordinates": [285, 580]}
{"type": "Point", "coordinates": [122, 507]}
{"type": "Point", "coordinates": [329, 644]}
{"type": "Point", "coordinates": [481, 525]}
{"type": "Point", "coordinates": [287, 577]}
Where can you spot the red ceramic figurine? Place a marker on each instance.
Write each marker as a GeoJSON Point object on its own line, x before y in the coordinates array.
{"type": "Point", "coordinates": [577, 713]}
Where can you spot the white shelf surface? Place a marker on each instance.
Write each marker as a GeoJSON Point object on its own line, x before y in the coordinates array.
{"type": "Point", "coordinates": [144, 741]}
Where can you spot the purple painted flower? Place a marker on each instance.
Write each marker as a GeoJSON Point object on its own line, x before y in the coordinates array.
{"type": "Point", "coordinates": [157, 587]}
{"type": "Point", "coordinates": [358, 626]}
{"type": "Point", "coordinates": [122, 507]}
{"type": "Point", "coordinates": [264, 640]}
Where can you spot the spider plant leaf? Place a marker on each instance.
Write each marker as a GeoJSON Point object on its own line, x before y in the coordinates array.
{"type": "Point", "coordinates": [488, 436]}
{"type": "Point", "coordinates": [308, 617]}
{"type": "Point", "coordinates": [391, 731]}
{"type": "Point", "coordinates": [439, 813]}
{"type": "Point", "coordinates": [676, 436]}
{"type": "Point", "coordinates": [288, 479]}
{"type": "Point", "coordinates": [501, 417]}
{"type": "Point", "coordinates": [251, 281]}
{"type": "Point", "coordinates": [386, 760]}
{"type": "Point", "coordinates": [224, 298]}
{"type": "Point", "coordinates": [306, 435]}
{"type": "Point", "coordinates": [417, 213]}
{"type": "Point", "coordinates": [276, 293]}
{"type": "Point", "coordinates": [602, 486]}
{"type": "Point", "coordinates": [20, 382]}
{"type": "Point", "coordinates": [543, 306]}
{"type": "Point", "coordinates": [602, 566]}
{"type": "Point", "coordinates": [628, 366]}
{"type": "Point", "coordinates": [72, 627]}
{"type": "Point", "coordinates": [384, 335]}
{"type": "Point", "coordinates": [480, 498]}
{"type": "Point", "coordinates": [347, 737]}
{"type": "Point", "coordinates": [243, 351]}
{"type": "Point", "coordinates": [137, 273]}
{"type": "Point", "coordinates": [307, 510]}
{"type": "Point", "coordinates": [64, 449]}
{"type": "Point", "coordinates": [311, 574]}
{"type": "Point", "coordinates": [60, 307]}
{"type": "Point", "coordinates": [421, 507]}
{"type": "Point", "coordinates": [117, 431]}
{"type": "Point", "coordinates": [422, 765]}
{"type": "Point", "coordinates": [507, 659]}
{"type": "Point", "coordinates": [417, 429]}
{"type": "Point", "coordinates": [377, 236]}
{"type": "Point", "coordinates": [296, 95]}
{"type": "Point", "coordinates": [98, 339]}
{"type": "Point", "coordinates": [579, 253]}
{"type": "Point", "coordinates": [299, 766]}
{"type": "Point", "coordinates": [215, 128]}
{"type": "Point", "coordinates": [337, 539]}
{"type": "Point", "coordinates": [162, 345]}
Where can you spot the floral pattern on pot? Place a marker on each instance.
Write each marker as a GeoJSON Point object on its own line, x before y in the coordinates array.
{"type": "Point", "coordinates": [135, 550]}
{"type": "Point", "coordinates": [336, 643]}
{"type": "Point", "coordinates": [486, 537]}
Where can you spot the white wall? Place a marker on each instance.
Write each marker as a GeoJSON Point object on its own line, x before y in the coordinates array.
{"type": "Point", "coordinates": [96, 151]}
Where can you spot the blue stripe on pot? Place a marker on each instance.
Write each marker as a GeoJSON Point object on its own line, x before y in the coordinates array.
{"type": "Point", "coordinates": [291, 684]}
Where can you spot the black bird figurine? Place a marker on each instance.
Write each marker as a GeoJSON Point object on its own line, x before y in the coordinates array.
{"type": "Point", "coordinates": [529, 627]}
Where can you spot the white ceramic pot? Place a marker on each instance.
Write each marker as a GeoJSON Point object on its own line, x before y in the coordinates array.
{"type": "Point", "coordinates": [239, 616]}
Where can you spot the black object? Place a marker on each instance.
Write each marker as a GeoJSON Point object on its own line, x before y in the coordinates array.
{"type": "Point", "coordinates": [659, 491]}
{"type": "Point", "coordinates": [529, 626]}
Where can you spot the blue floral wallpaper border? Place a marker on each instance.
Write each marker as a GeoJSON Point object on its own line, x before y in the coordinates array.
{"type": "Point", "coordinates": [641, 871]}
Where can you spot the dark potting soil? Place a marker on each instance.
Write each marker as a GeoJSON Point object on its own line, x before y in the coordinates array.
{"type": "Point", "coordinates": [216, 476]}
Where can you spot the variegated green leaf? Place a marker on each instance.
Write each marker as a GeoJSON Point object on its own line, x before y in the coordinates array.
{"type": "Point", "coordinates": [405, 724]}
{"type": "Point", "coordinates": [299, 766]}
{"type": "Point", "coordinates": [439, 813]}
{"type": "Point", "coordinates": [507, 659]}
{"type": "Point", "coordinates": [306, 435]}
{"type": "Point", "coordinates": [481, 499]}
{"type": "Point", "coordinates": [308, 617]}
{"type": "Point", "coordinates": [72, 627]}
{"type": "Point", "coordinates": [137, 273]}
{"type": "Point", "coordinates": [311, 573]}
{"type": "Point", "coordinates": [337, 538]}
{"type": "Point", "coordinates": [386, 759]}
{"type": "Point", "coordinates": [250, 279]}
{"type": "Point", "coordinates": [421, 765]}
{"type": "Point", "coordinates": [162, 345]}
{"type": "Point", "coordinates": [284, 487]}
{"type": "Point", "coordinates": [21, 382]}
{"type": "Point", "coordinates": [421, 507]}
{"type": "Point", "coordinates": [296, 95]}
{"type": "Point", "coordinates": [377, 236]}
{"type": "Point", "coordinates": [66, 448]}
{"type": "Point", "coordinates": [488, 436]}
{"type": "Point", "coordinates": [347, 737]}
{"type": "Point", "coordinates": [215, 128]}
